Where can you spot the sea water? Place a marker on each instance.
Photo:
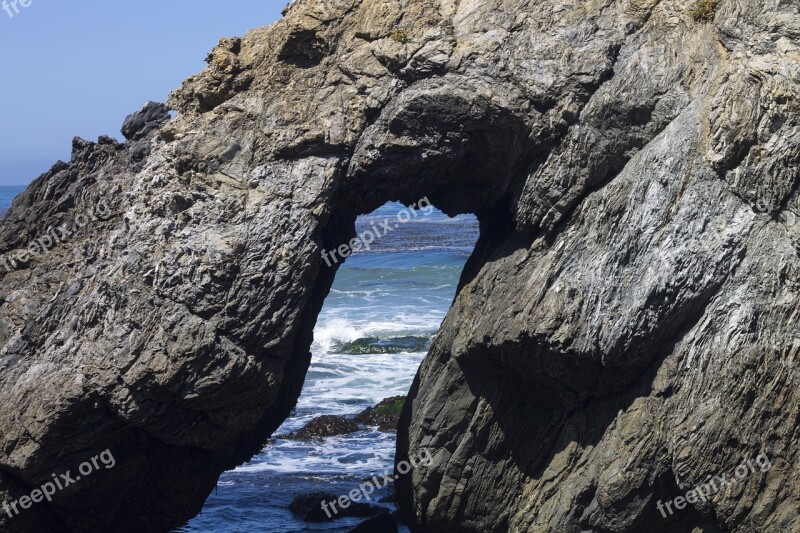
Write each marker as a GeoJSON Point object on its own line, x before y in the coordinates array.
{"type": "Point", "coordinates": [383, 311]}
{"type": "Point", "coordinates": [7, 195]}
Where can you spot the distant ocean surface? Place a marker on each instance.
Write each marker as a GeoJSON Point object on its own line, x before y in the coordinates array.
{"type": "Point", "coordinates": [7, 195]}
{"type": "Point", "coordinates": [389, 299]}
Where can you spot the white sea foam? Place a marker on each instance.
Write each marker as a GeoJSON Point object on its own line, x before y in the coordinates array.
{"type": "Point", "coordinates": [346, 383]}
{"type": "Point", "coordinates": [333, 332]}
{"type": "Point", "coordinates": [354, 455]}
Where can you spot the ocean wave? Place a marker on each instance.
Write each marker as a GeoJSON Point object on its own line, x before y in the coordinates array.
{"type": "Point", "coordinates": [335, 334]}
{"type": "Point", "coordinates": [376, 345]}
{"type": "Point", "coordinates": [347, 384]}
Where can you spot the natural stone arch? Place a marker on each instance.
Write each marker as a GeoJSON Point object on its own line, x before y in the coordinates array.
{"type": "Point", "coordinates": [176, 332]}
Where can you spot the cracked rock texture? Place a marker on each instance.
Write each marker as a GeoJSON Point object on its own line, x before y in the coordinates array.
{"type": "Point", "coordinates": [626, 328]}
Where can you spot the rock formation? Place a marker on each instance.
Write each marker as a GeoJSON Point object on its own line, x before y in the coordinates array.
{"type": "Point", "coordinates": [307, 507]}
{"type": "Point", "coordinates": [324, 426]}
{"type": "Point", "coordinates": [384, 416]}
{"type": "Point", "coordinates": [626, 327]}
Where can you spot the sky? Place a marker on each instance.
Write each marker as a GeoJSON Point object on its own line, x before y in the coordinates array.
{"type": "Point", "coordinates": [79, 67]}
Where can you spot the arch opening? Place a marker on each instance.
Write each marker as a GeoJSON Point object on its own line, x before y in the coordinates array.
{"type": "Point", "coordinates": [463, 152]}
{"type": "Point", "coordinates": [383, 310]}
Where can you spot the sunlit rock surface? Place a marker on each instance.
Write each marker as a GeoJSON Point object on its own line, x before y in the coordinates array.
{"type": "Point", "coordinates": [626, 328]}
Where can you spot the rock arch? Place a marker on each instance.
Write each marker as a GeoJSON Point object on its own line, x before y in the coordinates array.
{"type": "Point", "coordinates": [622, 272]}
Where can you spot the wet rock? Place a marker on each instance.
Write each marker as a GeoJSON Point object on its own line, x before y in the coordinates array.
{"type": "Point", "coordinates": [392, 345]}
{"type": "Point", "coordinates": [325, 426]}
{"type": "Point", "coordinates": [385, 415]}
{"type": "Point", "coordinates": [309, 507]}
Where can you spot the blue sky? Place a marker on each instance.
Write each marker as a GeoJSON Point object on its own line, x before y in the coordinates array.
{"type": "Point", "coordinates": [79, 67]}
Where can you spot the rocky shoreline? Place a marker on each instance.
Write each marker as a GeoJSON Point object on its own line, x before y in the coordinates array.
{"type": "Point", "coordinates": [624, 330]}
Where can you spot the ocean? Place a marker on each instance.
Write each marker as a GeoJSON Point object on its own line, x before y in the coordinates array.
{"type": "Point", "coordinates": [384, 309]}
{"type": "Point", "coordinates": [7, 195]}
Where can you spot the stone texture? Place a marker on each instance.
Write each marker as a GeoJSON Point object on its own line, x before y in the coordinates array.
{"type": "Point", "coordinates": [385, 415]}
{"type": "Point", "coordinates": [324, 426]}
{"type": "Point", "coordinates": [626, 327]}
{"type": "Point", "coordinates": [138, 125]}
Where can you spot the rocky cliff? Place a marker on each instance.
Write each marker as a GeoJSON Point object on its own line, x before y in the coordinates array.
{"type": "Point", "coordinates": [625, 329]}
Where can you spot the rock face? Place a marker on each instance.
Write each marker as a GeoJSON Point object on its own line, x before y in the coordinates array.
{"type": "Point", "coordinates": [626, 328]}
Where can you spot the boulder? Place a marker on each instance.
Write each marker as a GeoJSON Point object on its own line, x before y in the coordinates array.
{"type": "Point", "coordinates": [309, 508]}
{"type": "Point", "coordinates": [385, 415]}
{"type": "Point", "coordinates": [147, 119]}
{"type": "Point", "coordinates": [324, 426]}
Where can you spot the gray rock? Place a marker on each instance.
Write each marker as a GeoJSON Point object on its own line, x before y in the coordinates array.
{"type": "Point", "coordinates": [625, 329]}
{"type": "Point", "coordinates": [149, 118]}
